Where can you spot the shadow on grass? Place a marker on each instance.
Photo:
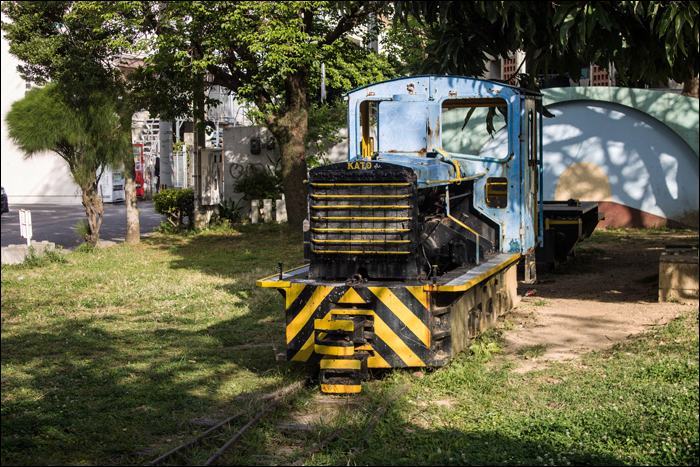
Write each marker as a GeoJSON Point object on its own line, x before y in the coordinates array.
{"type": "Point", "coordinates": [118, 394]}
{"type": "Point", "coordinates": [227, 253]}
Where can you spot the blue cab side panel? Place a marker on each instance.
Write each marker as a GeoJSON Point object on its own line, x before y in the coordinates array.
{"type": "Point", "coordinates": [408, 132]}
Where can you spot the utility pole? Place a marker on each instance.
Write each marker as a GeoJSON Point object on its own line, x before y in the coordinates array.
{"type": "Point", "coordinates": [323, 82]}
{"type": "Point", "coordinates": [200, 217]}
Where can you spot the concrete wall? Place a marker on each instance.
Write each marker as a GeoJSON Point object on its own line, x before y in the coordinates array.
{"type": "Point", "coordinates": [643, 173]}
{"type": "Point", "coordinates": [237, 156]}
{"type": "Point", "coordinates": [680, 113]}
{"type": "Point", "coordinates": [634, 151]}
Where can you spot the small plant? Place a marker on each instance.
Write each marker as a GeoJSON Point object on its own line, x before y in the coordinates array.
{"type": "Point", "coordinates": [484, 350]}
{"type": "Point", "coordinates": [176, 205]}
{"type": "Point", "coordinates": [82, 229]}
{"type": "Point", "coordinates": [230, 211]}
{"type": "Point", "coordinates": [540, 302]}
{"type": "Point", "coordinates": [35, 259]}
{"type": "Point", "coordinates": [532, 351]}
{"type": "Point", "coordinates": [508, 326]}
{"type": "Point", "coordinates": [165, 228]}
{"type": "Point", "coordinates": [258, 182]}
{"type": "Point", "coordinates": [85, 248]}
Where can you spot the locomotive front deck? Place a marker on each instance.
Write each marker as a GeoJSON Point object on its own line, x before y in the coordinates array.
{"type": "Point", "coordinates": [349, 328]}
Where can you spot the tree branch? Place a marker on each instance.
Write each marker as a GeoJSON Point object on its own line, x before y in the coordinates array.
{"type": "Point", "coordinates": [347, 23]}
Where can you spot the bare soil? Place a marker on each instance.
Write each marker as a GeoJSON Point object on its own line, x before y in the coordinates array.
{"type": "Point", "coordinates": [605, 294]}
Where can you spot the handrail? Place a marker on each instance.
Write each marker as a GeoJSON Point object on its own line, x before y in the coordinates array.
{"type": "Point", "coordinates": [454, 180]}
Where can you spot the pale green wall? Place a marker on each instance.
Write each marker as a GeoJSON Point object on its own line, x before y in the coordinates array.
{"type": "Point", "coordinates": [679, 113]}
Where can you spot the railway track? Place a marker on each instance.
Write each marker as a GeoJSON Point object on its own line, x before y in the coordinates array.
{"type": "Point", "coordinates": [274, 399]}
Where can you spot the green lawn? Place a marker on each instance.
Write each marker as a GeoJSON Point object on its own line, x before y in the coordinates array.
{"type": "Point", "coordinates": [108, 358]}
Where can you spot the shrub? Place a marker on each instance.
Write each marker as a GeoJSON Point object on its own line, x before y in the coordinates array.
{"type": "Point", "coordinates": [175, 205]}
{"type": "Point", "coordinates": [36, 259]}
{"type": "Point", "coordinates": [230, 211]}
{"type": "Point", "coordinates": [85, 248]}
{"type": "Point", "coordinates": [82, 229]}
{"type": "Point", "coordinates": [259, 183]}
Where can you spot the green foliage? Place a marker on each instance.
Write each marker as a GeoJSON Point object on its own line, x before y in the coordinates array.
{"type": "Point", "coordinates": [175, 204]}
{"type": "Point", "coordinates": [165, 227]}
{"type": "Point", "coordinates": [86, 137]}
{"type": "Point", "coordinates": [81, 229]}
{"type": "Point", "coordinates": [324, 121]}
{"type": "Point", "coordinates": [651, 41]}
{"type": "Point", "coordinates": [69, 45]}
{"type": "Point", "coordinates": [230, 211]}
{"type": "Point", "coordinates": [265, 53]}
{"type": "Point", "coordinates": [35, 259]}
{"type": "Point", "coordinates": [484, 350]}
{"type": "Point", "coordinates": [348, 66]}
{"type": "Point", "coordinates": [259, 183]}
{"type": "Point", "coordinates": [86, 248]}
{"type": "Point", "coordinates": [532, 351]}
{"type": "Point", "coordinates": [404, 45]}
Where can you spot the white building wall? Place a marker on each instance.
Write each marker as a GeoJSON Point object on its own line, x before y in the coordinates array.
{"type": "Point", "coordinates": [44, 178]}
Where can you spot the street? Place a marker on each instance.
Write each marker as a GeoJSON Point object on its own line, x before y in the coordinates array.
{"type": "Point", "coordinates": [55, 223]}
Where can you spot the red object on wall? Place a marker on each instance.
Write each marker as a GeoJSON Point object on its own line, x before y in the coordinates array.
{"type": "Point", "coordinates": [138, 163]}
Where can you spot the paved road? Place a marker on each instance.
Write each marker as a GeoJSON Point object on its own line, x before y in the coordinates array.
{"type": "Point", "coordinates": [54, 222]}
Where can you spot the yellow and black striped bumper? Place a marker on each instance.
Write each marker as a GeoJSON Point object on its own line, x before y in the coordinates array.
{"type": "Point", "coordinates": [399, 335]}
{"type": "Point", "coordinates": [349, 329]}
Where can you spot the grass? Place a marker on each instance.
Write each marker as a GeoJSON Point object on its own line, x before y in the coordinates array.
{"type": "Point", "coordinates": [532, 351]}
{"type": "Point", "coordinates": [648, 235]}
{"type": "Point", "coordinates": [109, 357]}
{"type": "Point", "coordinates": [38, 259]}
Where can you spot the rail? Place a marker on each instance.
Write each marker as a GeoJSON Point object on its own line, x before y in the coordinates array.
{"type": "Point", "coordinates": [275, 398]}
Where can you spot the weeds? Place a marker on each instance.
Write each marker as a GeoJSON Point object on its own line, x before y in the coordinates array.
{"type": "Point", "coordinates": [35, 259]}
{"type": "Point", "coordinates": [532, 351]}
{"type": "Point", "coordinates": [85, 248]}
{"type": "Point", "coordinates": [81, 229]}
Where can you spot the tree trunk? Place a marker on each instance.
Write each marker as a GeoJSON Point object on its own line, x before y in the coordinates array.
{"type": "Point", "coordinates": [133, 231]}
{"type": "Point", "coordinates": [290, 130]}
{"type": "Point", "coordinates": [690, 88]}
{"type": "Point", "coordinates": [94, 211]}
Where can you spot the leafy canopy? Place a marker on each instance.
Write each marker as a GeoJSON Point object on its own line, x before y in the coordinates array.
{"type": "Point", "coordinates": [650, 41]}
{"type": "Point", "coordinates": [86, 137]}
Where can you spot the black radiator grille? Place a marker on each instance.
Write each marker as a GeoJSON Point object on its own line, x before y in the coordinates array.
{"type": "Point", "coordinates": [362, 219]}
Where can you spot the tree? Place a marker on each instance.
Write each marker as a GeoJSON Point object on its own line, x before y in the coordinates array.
{"type": "Point", "coordinates": [67, 43]}
{"type": "Point", "coordinates": [264, 52]}
{"type": "Point", "coordinates": [88, 139]}
{"type": "Point", "coordinates": [405, 45]}
{"type": "Point", "coordinates": [649, 41]}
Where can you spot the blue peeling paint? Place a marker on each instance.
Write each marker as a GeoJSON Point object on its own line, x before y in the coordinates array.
{"type": "Point", "coordinates": [408, 132]}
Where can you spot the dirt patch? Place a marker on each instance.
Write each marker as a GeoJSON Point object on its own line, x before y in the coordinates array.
{"type": "Point", "coordinates": [604, 295]}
